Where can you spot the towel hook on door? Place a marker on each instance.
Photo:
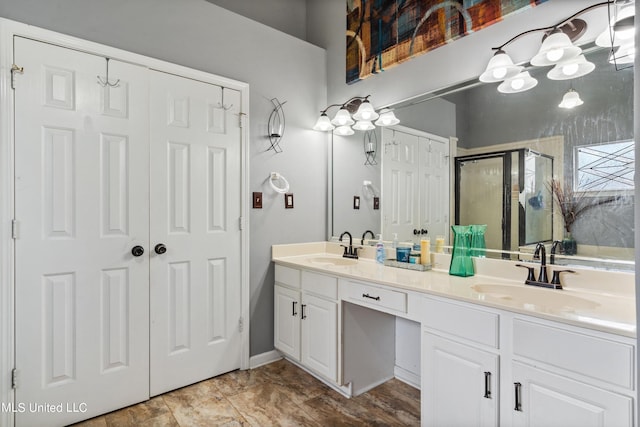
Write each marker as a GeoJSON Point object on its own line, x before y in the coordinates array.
{"type": "Point", "coordinates": [105, 82]}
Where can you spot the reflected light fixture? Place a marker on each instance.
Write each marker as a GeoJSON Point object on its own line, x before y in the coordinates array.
{"type": "Point", "coordinates": [621, 27]}
{"type": "Point", "coordinates": [571, 69]}
{"type": "Point", "coordinates": [355, 114]}
{"type": "Point", "coordinates": [624, 54]}
{"type": "Point", "coordinates": [557, 49]}
{"type": "Point", "coordinates": [570, 100]}
{"type": "Point", "coordinates": [500, 67]}
{"type": "Point", "coordinates": [387, 118]}
{"type": "Point", "coordinates": [520, 83]}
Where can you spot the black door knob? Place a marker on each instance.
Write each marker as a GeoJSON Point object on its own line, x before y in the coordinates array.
{"type": "Point", "coordinates": [160, 248]}
{"type": "Point", "coordinates": [137, 251]}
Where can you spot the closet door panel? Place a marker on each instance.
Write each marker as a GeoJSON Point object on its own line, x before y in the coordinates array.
{"type": "Point", "coordinates": [81, 203]}
{"type": "Point", "coordinates": [195, 212]}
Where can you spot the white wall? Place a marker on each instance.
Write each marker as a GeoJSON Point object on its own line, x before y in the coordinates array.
{"type": "Point", "coordinates": [200, 35]}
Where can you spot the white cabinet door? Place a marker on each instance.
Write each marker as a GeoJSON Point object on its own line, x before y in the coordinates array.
{"type": "Point", "coordinates": [459, 384]}
{"type": "Point", "coordinates": [286, 328]}
{"type": "Point", "coordinates": [82, 203]}
{"type": "Point", "coordinates": [195, 212]}
{"type": "Point", "coordinates": [543, 399]}
{"type": "Point", "coordinates": [320, 335]}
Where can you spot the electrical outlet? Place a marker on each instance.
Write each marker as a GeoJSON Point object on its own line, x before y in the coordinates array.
{"type": "Point", "coordinates": [356, 202]}
{"type": "Point", "coordinates": [288, 201]}
{"type": "Point", "coordinates": [376, 203]}
{"type": "Point", "coordinates": [257, 200]}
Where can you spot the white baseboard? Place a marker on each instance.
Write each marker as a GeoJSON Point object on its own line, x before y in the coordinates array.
{"type": "Point", "coordinates": [264, 358]}
{"type": "Point", "coordinates": [406, 376]}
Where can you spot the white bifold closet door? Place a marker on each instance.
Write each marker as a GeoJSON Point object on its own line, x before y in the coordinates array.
{"type": "Point", "coordinates": [82, 204]}
{"type": "Point", "coordinates": [153, 163]}
{"type": "Point", "coordinates": [195, 212]}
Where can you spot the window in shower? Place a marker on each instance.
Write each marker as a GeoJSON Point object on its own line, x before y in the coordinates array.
{"type": "Point", "coordinates": [605, 167]}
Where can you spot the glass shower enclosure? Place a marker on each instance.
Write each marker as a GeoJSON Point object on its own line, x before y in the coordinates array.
{"type": "Point", "coordinates": [510, 192]}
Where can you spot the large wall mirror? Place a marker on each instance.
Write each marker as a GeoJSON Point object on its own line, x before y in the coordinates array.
{"type": "Point", "coordinates": [587, 149]}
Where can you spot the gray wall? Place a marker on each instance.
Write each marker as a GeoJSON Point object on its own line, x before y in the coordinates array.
{"type": "Point", "coordinates": [200, 35]}
{"type": "Point", "coordinates": [349, 172]}
{"type": "Point", "coordinates": [289, 16]}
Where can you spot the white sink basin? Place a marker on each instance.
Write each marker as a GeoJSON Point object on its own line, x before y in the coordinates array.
{"type": "Point", "coordinates": [326, 260]}
{"type": "Point", "coordinates": [553, 299]}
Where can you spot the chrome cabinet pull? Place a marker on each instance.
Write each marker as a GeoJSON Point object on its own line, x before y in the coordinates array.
{"type": "Point", "coordinates": [304, 316]}
{"type": "Point", "coordinates": [370, 297]}
{"type": "Point", "coordinates": [518, 406]}
{"type": "Point", "coordinates": [487, 385]}
{"type": "Point", "coordinates": [293, 308]}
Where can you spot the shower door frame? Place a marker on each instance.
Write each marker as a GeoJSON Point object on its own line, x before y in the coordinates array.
{"type": "Point", "coordinates": [507, 188]}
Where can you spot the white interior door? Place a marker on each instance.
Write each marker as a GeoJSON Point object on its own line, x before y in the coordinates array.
{"type": "Point", "coordinates": [81, 202]}
{"type": "Point", "coordinates": [434, 186]}
{"type": "Point", "coordinates": [415, 192]}
{"type": "Point", "coordinates": [195, 212]}
{"type": "Point", "coordinates": [400, 184]}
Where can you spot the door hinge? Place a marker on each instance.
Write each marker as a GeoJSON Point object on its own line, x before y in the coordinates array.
{"type": "Point", "coordinates": [241, 118]}
{"type": "Point", "coordinates": [241, 223]}
{"type": "Point", "coordinates": [15, 69]}
{"type": "Point", "coordinates": [241, 324]}
{"type": "Point", "coordinates": [14, 228]}
{"type": "Point", "coordinates": [14, 378]}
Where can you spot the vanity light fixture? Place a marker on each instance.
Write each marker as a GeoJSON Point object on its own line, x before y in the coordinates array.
{"type": "Point", "coordinates": [570, 100]}
{"type": "Point", "coordinates": [499, 68]}
{"type": "Point", "coordinates": [387, 118]}
{"type": "Point", "coordinates": [624, 54]}
{"type": "Point", "coordinates": [557, 49]}
{"type": "Point", "coordinates": [571, 69]}
{"type": "Point", "coordinates": [619, 35]}
{"type": "Point", "coordinates": [355, 114]}
{"type": "Point", "coordinates": [519, 83]}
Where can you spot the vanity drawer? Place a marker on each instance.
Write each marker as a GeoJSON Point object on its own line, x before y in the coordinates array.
{"type": "Point", "coordinates": [594, 357]}
{"type": "Point", "coordinates": [287, 276]}
{"type": "Point", "coordinates": [465, 322]}
{"type": "Point", "coordinates": [381, 297]}
{"type": "Point", "coordinates": [319, 284]}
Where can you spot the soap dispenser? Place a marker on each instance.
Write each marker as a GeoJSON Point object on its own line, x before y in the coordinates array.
{"type": "Point", "coordinates": [380, 251]}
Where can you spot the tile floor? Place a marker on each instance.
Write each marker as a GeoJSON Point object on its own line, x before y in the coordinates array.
{"type": "Point", "coordinates": [278, 394]}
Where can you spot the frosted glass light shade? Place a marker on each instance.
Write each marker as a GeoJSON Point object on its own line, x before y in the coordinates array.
{"type": "Point", "coordinates": [571, 69]}
{"type": "Point", "coordinates": [610, 38]}
{"type": "Point", "coordinates": [555, 48]}
{"type": "Point", "coordinates": [625, 54]}
{"type": "Point", "coordinates": [387, 118]}
{"type": "Point", "coordinates": [365, 112]}
{"type": "Point", "coordinates": [323, 124]}
{"type": "Point", "coordinates": [363, 125]}
{"type": "Point", "coordinates": [342, 118]}
{"type": "Point", "coordinates": [344, 131]}
{"type": "Point", "coordinates": [500, 67]}
{"type": "Point", "coordinates": [519, 83]}
{"type": "Point", "coordinates": [570, 99]}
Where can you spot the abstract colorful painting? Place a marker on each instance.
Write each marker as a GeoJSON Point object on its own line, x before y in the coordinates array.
{"type": "Point", "coordinates": [384, 33]}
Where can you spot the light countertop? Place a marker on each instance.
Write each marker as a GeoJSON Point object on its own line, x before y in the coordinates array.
{"type": "Point", "coordinates": [605, 301]}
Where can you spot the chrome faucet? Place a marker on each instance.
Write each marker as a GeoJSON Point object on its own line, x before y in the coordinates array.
{"type": "Point", "coordinates": [543, 280]}
{"type": "Point", "coordinates": [350, 251]}
{"type": "Point", "coordinates": [365, 235]}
